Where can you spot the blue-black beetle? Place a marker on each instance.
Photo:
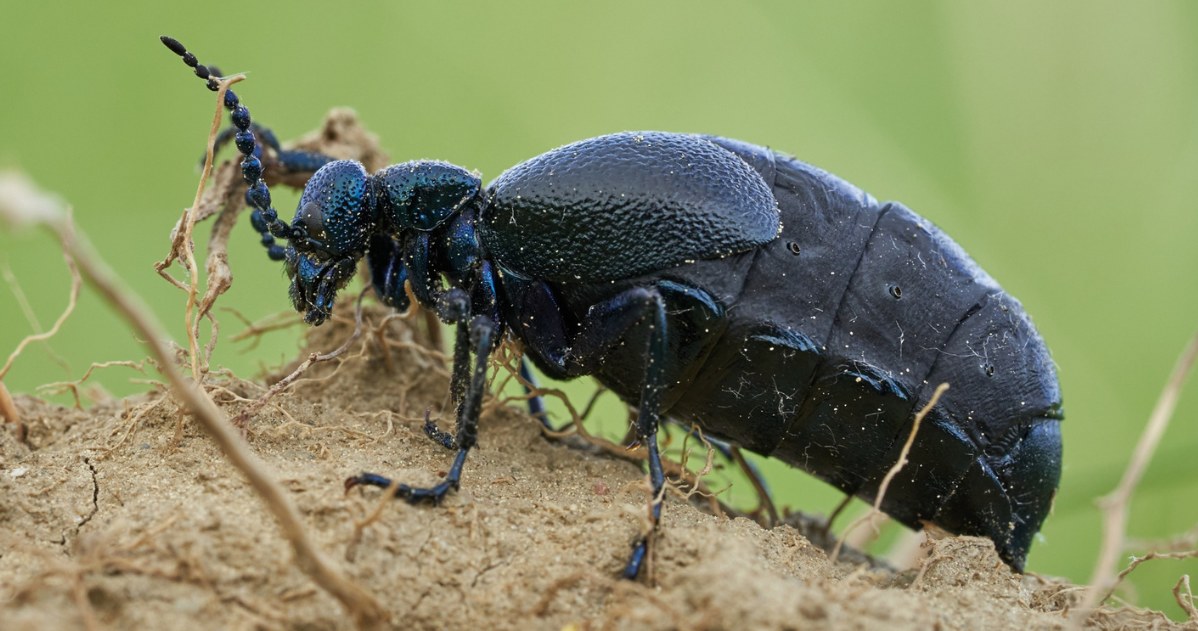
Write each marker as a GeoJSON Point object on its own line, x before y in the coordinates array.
{"type": "Point", "coordinates": [709, 280]}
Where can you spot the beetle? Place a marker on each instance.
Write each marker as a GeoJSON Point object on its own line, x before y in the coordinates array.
{"type": "Point", "coordinates": [701, 278]}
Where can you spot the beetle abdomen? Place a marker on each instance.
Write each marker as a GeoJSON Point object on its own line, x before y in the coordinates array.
{"type": "Point", "coordinates": [844, 326]}
{"type": "Point", "coordinates": [657, 199]}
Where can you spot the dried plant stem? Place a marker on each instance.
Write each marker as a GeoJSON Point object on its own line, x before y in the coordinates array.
{"type": "Point", "coordinates": [254, 331]}
{"type": "Point", "coordinates": [836, 512]}
{"type": "Point", "coordinates": [1115, 505]}
{"type": "Point", "coordinates": [764, 501]}
{"type": "Point", "coordinates": [76, 282]}
{"type": "Point", "coordinates": [7, 408]}
{"type": "Point", "coordinates": [1185, 597]}
{"type": "Point", "coordinates": [191, 317]}
{"type": "Point", "coordinates": [1138, 561]}
{"type": "Point", "coordinates": [894, 470]}
{"type": "Point", "coordinates": [59, 387]}
{"type": "Point", "coordinates": [365, 610]}
{"type": "Point", "coordinates": [19, 295]}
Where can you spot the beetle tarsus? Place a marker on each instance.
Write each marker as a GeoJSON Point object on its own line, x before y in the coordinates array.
{"type": "Point", "coordinates": [443, 438]}
{"type": "Point", "coordinates": [412, 494]}
{"type": "Point", "coordinates": [640, 549]}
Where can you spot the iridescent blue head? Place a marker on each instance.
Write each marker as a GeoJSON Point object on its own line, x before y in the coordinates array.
{"type": "Point", "coordinates": [337, 214]}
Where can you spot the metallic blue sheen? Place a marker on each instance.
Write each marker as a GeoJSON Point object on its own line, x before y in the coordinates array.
{"type": "Point", "coordinates": [337, 209]}
{"type": "Point", "coordinates": [422, 195]}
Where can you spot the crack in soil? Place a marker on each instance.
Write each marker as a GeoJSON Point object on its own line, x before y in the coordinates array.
{"type": "Point", "coordinates": [95, 496]}
{"type": "Point", "coordinates": [490, 566]}
{"type": "Point", "coordinates": [65, 538]}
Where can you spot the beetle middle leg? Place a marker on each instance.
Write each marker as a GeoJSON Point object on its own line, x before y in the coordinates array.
{"type": "Point", "coordinates": [606, 326]}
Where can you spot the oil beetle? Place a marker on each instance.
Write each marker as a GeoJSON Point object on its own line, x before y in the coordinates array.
{"type": "Point", "coordinates": [709, 280]}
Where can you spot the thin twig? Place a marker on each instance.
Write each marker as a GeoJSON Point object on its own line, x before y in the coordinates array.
{"type": "Point", "coordinates": [708, 466]}
{"type": "Point", "coordinates": [18, 293]}
{"type": "Point", "coordinates": [76, 282]}
{"type": "Point", "coordinates": [58, 387]}
{"type": "Point", "coordinates": [1187, 540]}
{"type": "Point", "coordinates": [22, 300]}
{"type": "Point", "coordinates": [1115, 505]}
{"type": "Point", "coordinates": [1186, 600]}
{"type": "Point", "coordinates": [254, 331]}
{"type": "Point", "coordinates": [7, 408]}
{"type": "Point", "coordinates": [836, 512]}
{"type": "Point", "coordinates": [1152, 556]}
{"type": "Point", "coordinates": [28, 311]}
{"type": "Point", "coordinates": [764, 501]}
{"type": "Point", "coordinates": [894, 470]}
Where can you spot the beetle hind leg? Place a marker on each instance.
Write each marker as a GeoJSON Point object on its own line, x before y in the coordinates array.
{"type": "Point", "coordinates": [647, 421]}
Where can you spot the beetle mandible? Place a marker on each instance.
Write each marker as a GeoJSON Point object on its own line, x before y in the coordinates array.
{"type": "Point", "coordinates": [702, 278]}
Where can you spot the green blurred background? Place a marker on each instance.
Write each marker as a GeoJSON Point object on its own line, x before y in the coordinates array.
{"type": "Point", "coordinates": [1057, 142]}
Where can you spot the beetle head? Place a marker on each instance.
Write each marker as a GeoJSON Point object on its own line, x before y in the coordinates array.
{"type": "Point", "coordinates": [337, 214]}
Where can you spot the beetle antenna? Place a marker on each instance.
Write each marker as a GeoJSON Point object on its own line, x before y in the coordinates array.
{"type": "Point", "coordinates": [264, 217]}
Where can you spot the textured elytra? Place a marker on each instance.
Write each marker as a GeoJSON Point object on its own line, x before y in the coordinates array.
{"type": "Point", "coordinates": [620, 205]}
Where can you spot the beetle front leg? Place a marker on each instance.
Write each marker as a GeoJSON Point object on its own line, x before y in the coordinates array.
{"type": "Point", "coordinates": [482, 339]}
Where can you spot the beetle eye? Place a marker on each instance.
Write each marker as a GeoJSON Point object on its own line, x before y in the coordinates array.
{"type": "Point", "coordinates": [312, 218]}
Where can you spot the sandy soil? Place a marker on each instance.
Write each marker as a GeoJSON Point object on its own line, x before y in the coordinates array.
{"type": "Point", "coordinates": [128, 516]}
